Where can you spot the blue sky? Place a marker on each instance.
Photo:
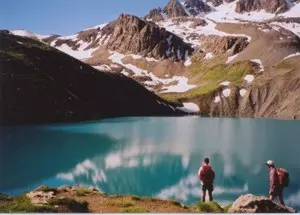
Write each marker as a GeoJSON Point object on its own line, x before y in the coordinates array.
{"type": "Point", "coordinates": [66, 17]}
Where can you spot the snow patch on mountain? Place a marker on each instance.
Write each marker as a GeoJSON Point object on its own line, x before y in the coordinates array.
{"type": "Point", "coordinates": [226, 92]}
{"type": "Point", "coordinates": [292, 55]}
{"type": "Point", "coordinates": [103, 67]}
{"type": "Point", "coordinates": [231, 58]}
{"type": "Point", "coordinates": [97, 26]}
{"type": "Point", "coordinates": [293, 12]}
{"type": "Point", "coordinates": [225, 83]}
{"type": "Point", "coordinates": [81, 53]}
{"type": "Point", "coordinates": [249, 78]}
{"type": "Point", "coordinates": [189, 108]}
{"type": "Point", "coordinates": [243, 92]}
{"type": "Point", "coordinates": [258, 61]}
{"type": "Point", "coordinates": [182, 82]}
{"type": "Point", "coordinates": [292, 26]}
{"type": "Point", "coordinates": [25, 33]}
{"type": "Point", "coordinates": [226, 13]}
{"type": "Point", "coordinates": [184, 31]}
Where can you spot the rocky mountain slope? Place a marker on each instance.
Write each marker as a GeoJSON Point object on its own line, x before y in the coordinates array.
{"type": "Point", "coordinates": [41, 84]}
{"type": "Point", "coordinates": [214, 56]}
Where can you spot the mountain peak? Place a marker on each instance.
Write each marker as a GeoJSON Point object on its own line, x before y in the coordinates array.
{"type": "Point", "coordinates": [174, 9]}
{"type": "Point", "coordinates": [196, 6]}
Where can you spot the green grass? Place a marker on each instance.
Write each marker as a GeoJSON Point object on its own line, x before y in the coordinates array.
{"type": "Point", "coordinates": [226, 208]}
{"type": "Point", "coordinates": [209, 207]}
{"type": "Point", "coordinates": [72, 204]}
{"type": "Point", "coordinates": [12, 54]}
{"type": "Point", "coordinates": [135, 209]}
{"type": "Point", "coordinates": [48, 189]}
{"type": "Point", "coordinates": [22, 204]}
{"type": "Point", "coordinates": [82, 191]}
{"type": "Point", "coordinates": [120, 203]}
{"type": "Point", "coordinates": [41, 46]}
{"type": "Point", "coordinates": [208, 77]}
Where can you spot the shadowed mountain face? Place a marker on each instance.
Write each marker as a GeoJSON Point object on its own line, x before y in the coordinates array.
{"type": "Point", "coordinates": [270, 6]}
{"type": "Point", "coordinates": [41, 84]}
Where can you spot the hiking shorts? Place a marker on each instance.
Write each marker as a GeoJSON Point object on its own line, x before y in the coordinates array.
{"type": "Point", "coordinates": [209, 187]}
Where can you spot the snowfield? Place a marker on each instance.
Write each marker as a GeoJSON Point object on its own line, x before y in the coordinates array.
{"type": "Point", "coordinates": [182, 82]}
{"type": "Point", "coordinates": [189, 108]}
{"type": "Point", "coordinates": [25, 33]}
{"type": "Point", "coordinates": [293, 12]}
{"type": "Point", "coordinates": [226, 13]}
{"type": "Point", "coordinates": [293, 27]}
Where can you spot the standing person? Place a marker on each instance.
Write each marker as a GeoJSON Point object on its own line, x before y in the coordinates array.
{"type": "Point", "coordinates": [279, 179]}
{"type": "Point", "coordinates": [207, 177]}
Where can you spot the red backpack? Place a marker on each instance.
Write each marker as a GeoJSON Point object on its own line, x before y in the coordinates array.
{"type": "Point", "coordinates": [207, 175]}
{"type": "Point", "coordinates": [284, 177]}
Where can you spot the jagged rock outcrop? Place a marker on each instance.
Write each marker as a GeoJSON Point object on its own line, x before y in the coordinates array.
{"type": "Point", "coordinates": [257, 204]}
{"type": "Point", "coordinates": [132, 35]}
{"type": "Point", "coordinates": [196, 7]}
{"type": "Point", "coordinates": [174, 9]}
{"type": "Point", "coordinates": [40, 197]}
{"type": "Point", "coordinates": [271, 6]}
{"type": "Point", "coordinates": [220, 45]}
{"type": "Point", "coordinates": [195, 21]}
{"type": "Point", "coordinates": [216, 3]}
{"type": "Point", "coordinates": [154, 15]}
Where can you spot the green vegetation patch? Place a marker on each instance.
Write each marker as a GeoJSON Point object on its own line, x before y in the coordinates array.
{"type": "Point", "coordinates": [209, 207]}
{"type": "Point", "coordinates": [208, 77]}
{"type": "Point", "coordinates": [22, 204]}
{"type": "Point", "coordinates": [13, 54]}
{"type": "Point", "coordinates": [82, 191]}
{"type": "Point", "coordinates": [226, 208]}
{"type": "Point", "coordinates": [135, 209]}
{"type": "Point", "coordinates": [70, 203]}
{"type": "Point", "coordinates": [47, 189]}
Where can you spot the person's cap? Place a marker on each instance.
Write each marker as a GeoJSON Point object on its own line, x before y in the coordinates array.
{"type": "Point", "coordinates": [270, 163]}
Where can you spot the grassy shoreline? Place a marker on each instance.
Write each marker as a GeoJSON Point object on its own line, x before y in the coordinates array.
{"type": "Point", "coordinates": [83, 200]}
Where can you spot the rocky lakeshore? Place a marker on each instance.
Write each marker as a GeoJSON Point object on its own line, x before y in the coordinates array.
{"type": "Point", "coordinates": [76, 199]}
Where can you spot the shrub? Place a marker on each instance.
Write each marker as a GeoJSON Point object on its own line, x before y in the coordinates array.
{"type": "Point", "coordinates": [82, 192]}
{"type": "Point", "coordinates": [209, 207]}
{"type": "Point", "coordinates": [22, 204]}
{"type": "Point", "coordinates": [227, 207]}
{"type": "Point", "coordinates": [72, 204]}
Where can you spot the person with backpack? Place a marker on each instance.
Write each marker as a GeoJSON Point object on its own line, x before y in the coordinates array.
{"type": "Point", "coordinates": [279, 179]}
{"type": "Point", "coordinates": [207, 177]}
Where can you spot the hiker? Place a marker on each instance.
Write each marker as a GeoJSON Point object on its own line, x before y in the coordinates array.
{"type": "Point", "coordinates": [207, 177]}
{"type": "Point", "coordinates": [279, 179]}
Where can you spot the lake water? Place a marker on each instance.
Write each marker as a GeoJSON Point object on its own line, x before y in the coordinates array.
{"type": "Point", "coordinates": [156, 157]}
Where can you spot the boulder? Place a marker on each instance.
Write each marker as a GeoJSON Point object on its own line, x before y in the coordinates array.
{"type": "Point", "coordinates": [93, 189]}
{"type": "Point", "coordinates": [257, 204]}
{"type": "Point", "coordinates": [40, 197]}
{"type": "Point", "coordinates": [41, 188]}
{"type": "Point", "coordinates": [64, 188]}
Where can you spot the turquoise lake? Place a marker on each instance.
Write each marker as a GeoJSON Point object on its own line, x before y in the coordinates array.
{"type": "Point", "coordinates": [154, 156]}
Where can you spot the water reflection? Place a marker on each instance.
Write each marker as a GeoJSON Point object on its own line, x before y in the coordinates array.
{"type": "Point", "coordinates": [153, 156]}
